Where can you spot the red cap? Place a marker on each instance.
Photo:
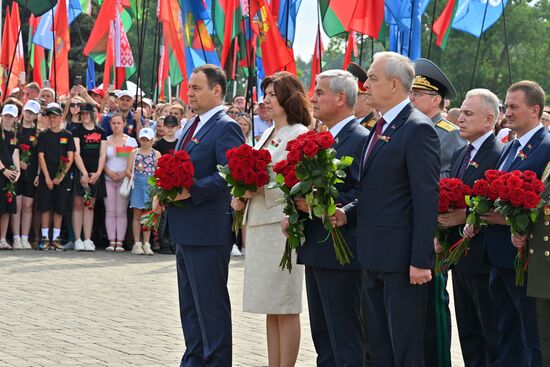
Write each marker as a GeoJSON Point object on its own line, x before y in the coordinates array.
{"type": "Point", "coordinates": [98, 91]}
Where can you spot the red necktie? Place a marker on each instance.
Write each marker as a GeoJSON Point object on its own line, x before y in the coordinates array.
{"type": "Point", "coordinates": [190, 132]}
{"type": "Point", "coordinates": [377, 133]}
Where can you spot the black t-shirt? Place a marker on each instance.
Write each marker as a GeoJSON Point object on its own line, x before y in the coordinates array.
{"type": "Point", "coordinates": [28, 136]}
{"type": "Point", "coordinates": [164, 146]}
{"type": "Point", "coordinates": [54, 146]}
{"type": "Point", "coordinates": [90, 145]}
{"type": "Point", "coordinates": [8, 144]}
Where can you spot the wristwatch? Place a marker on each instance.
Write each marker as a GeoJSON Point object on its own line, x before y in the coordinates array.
{"type": "Point", "coordinates": [2, 169]}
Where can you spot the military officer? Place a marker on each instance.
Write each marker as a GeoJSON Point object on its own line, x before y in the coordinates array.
{"type": "Point", "coordinates": [429, 90]}
{"type": "Point", "coordinates": [539, 267]}
{"type": "Point", "coordinates": [364, 113]}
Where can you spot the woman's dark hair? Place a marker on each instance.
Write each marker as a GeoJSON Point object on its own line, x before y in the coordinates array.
{"type": "Point", "coordinates": [291, 95]}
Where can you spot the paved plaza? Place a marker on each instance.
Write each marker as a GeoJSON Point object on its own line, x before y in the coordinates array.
{"type": "Point", "coordinates": [110, 309]}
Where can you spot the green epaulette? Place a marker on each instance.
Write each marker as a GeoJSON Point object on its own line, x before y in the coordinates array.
{"type": "Point", "coordinates": [446, 125]}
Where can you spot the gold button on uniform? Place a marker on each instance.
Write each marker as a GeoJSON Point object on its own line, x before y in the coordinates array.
{"type": "Point", "coordinates": [547, 222]}
{"type": "Point", "coordinates": [531, 251]}
{"type": "Point", "coordinates": [531, 236]}
{"type": "Point", "coordinates": [546, 253]}
{"type": "Point", "coordinates": [545, 238]}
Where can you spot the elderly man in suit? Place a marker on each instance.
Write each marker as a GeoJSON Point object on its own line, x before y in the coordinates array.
{"type": "Point", "coordinates": [516, 313]}
{"type": "Point", "coordinates": [396, 213]}
{"type": "Point", "coordinates": [539, 266]}
{"type": "Point", "coordinates": [334, 291]}
{"type": "Point", "coordinates": [477, 328]}
{"type": "Point", "coordinates": [202, 255]}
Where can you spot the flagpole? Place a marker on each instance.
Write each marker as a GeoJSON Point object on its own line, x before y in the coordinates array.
{"type": "Point", "coordinates": [250, 87]}
{"type": "Point", "coordinates": [432, 30]}
{"type": "Point", "coordinates": [479, 44]}
{"type": "Point", "coordinates": [372, 49]}
{"type": "Point", "coordinates": [287, 21]}
{"type": "Point", "coordinates": [361, 50]}
{"type": "Point", "coordinates": [200, 39]}
{"type": "Point", "coordinates": [155, 54]}
{"type": "Point", "coordinates": [54, 57]}
{"type": "Point", "coordinates": [506, 42]}
{"type": "Point", "coordinates": [319, 39]}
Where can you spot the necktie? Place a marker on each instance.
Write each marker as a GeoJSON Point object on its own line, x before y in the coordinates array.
{"type": "Point", "coordinates": [190, 132]}
{"type": "Point", "coordinates": [465, 161]}
{"type": "Point", "coordinates": [377, 133]}
{"type": "Point", "coordinates": [511, 155]}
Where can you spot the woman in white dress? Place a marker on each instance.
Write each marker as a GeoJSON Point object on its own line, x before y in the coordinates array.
{"type": "Point", "coordinates": [267, 288]}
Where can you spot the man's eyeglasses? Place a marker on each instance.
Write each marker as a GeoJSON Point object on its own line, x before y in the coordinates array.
{"type": "Point", "coordinates": [74, 105]}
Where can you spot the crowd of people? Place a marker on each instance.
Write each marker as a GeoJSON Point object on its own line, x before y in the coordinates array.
{"type": "Point", "coordinates": [386, 307]}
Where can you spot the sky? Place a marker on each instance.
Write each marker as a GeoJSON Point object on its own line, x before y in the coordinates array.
{"type": "Point", "coordinates": [306, 30]}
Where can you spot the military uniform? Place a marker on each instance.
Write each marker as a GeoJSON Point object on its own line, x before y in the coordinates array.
{"type": "Point", "coordinates": [450, 141]}
{"type": "Point", "coordinates": [368, 121]}
{"type": "Point", "coordinates": [539, 269]}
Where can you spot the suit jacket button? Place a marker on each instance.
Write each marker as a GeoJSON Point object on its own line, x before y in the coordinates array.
{"type": "Point", "coordinates": [547, 222]}
{"type": "Point", "coordinates": [531, 236]}
{"type": "Point", "coordinates": [546, 253]}
{"type": "Point", "coordinates": [531, 251]}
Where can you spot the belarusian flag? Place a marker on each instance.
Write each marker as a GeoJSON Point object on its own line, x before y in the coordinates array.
{"type": "Point", "coordinates": [37, 57]}
{"type": "Point", "coordinates": [226, 15]}
{"type": "Point", "coordinates": [59, 78]}
{"type": "Point", "coordinates": [442, 26]}
{"type": "Point", "coordinates": [365, 17]}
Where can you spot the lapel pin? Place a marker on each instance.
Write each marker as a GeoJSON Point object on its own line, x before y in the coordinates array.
{"type": "Point", "coordinates": [195, 140]}
{"type": "Point", "coordinates": [393, 127]}
{"type": "Point", "coordinates": [522, 155]}
{"type": "Point", "coordinates": [384, 138]}
{"type": "Point", "coordinates": [473, 164]}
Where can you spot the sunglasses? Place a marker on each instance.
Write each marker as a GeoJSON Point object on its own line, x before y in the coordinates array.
{"type": "Point", "coordinates": [74, 105]}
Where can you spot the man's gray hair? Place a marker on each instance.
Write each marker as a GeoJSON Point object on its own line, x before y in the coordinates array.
{"type": "Point", "coordinates": [341, 81]}
{"type": "Point", "coordinates": [397, 67]}
{"type": "Point", "coordinates": [488, 98]}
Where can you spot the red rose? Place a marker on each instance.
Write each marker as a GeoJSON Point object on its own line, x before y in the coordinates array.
{"type": "Point", "coordinates": [537, 186]}
{"type": "Point", "coordinates": [443, 205]}
{"type": "Point", "coordinates": [260, 166]}
{"type": "Point", "coordinates": [517, 196]}
{"type": "Point", "coordinates": [24, 147]}
{"type": "Point", "coordinates": [504, 193]}
{"type": "Point", "coordinates": [262, 178]}
{"type": "Point", "coordinates": [188, 169]}
{"type": "Point", "coordinates": [492, 174]}
{"type": "Point", "coordinates": [239, 173]}
{"type": "Point", "coordinates": [244, 150]}
{"type": "Point", "coordinates": [231, 154]}
{"type": "Point", "coordinates": [481, 188]}
{"type": "Point", "coordinates": [280, 166]}
{"type": "Point", "coordinates": [325, 140]}
{"type": "Point", "coordinates": [182, 155]}
{"type": "Point", "coordinates": [492, 193]}
{"type": "Point", "coordinates": [290, 177]}
{"type": "Point", "coordinates": [250, 177]}
{"type": "Point", "coordinates": [451, 183]}
{"type": "Point", "coordinates": [265, 155]}
{"type": "Point", "coordinates": [514, 182]}
{"type": "Point", "coordinates": [310, 149]}
{"type": "Point", "coordinates": [531, 200]}
{"type": "Point", "coordinates": [529, 175]}
{"type": "Point", "coordinates": [466, 190]}
{"type": "Point", "coordinates": [294, 156]}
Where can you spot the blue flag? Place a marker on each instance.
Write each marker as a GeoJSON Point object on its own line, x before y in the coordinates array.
{"type": "Point", "coordinates": [405, 17]}
{"type": "Point", "coordinates": [469, 15]}
{"type": "Point", "coordinates": [43, 36]}
{"type": "Point", "coordinates": [288, 9]}
{"type": "Point", "coordinates": [90, 74]}
{"type": "Point", "coordinates": [199, 8]}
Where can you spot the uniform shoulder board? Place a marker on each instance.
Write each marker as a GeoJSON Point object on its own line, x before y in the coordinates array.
{"type": "Point", "coordinates": [546, 173]}
{"type": "Point", "coordinates": [370, 124]}
{"type": "Point", "coordinates": [446, 125]}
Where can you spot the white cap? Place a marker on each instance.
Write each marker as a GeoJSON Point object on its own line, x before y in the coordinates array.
{"type": "Point", "coordinates": [32, 106]}
{"type": "Point", "coordinates": [15, 90]}
{"type": "Point", "coordinates": [10, 109]}
{"type": "Point", "coordinates": [147, 133]}
{"type": "Point", "coordinates": [125, 93]}
{"type": "Point", "coordinates": [147, 101]}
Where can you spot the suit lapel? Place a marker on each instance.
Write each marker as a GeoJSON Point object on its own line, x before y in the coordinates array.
{"type": "Point", "coordinates": [478, 160]}
{"type": "Point", "coordinates": [529, 147]}
{"type": "Point", "coordinates": [344, 133]}
{"type": "Point", "coordinates": [203, 131]}
{"type": "Point", "coordinates": [456, 167]}
{"type": "Point", "coordinates": [388, 133]}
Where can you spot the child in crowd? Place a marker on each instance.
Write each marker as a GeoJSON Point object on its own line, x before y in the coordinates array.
{"type": "Point", "coordinates": [27, 138]}
{"type": "Point", "coordinates": [119, 147]}
{"type": "Point", "coordinates": [9, 171]}
{"type": "Point", "coordinates": [141, 165]}
{"type": "Point", "coordinates": [55, 156]}
{"type": "Point", "coordinates": [168, 141]}
{"type": "Point", "coordinates": [91, 144]}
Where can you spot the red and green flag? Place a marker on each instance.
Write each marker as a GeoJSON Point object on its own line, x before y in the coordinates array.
{"type": "Point", "coordinates": [442, 26]}
{"type": "Point", "coordinates": [316, 62]}
{"type": "Point", "coordinates": [37, 59]}
{"type": "Point", "coordinates": [226, 15]}
{"type": "Point", "coordinates": [59, 78]}
{"type": "Point", "coordinates": [172, 25]}
{"type": "Point", "coordinates": [365, 17]}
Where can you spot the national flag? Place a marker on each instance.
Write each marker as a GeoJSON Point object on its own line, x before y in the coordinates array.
{"type": "Point", "coordinates": [470, 13]}
{"type": "Point", "coordinates": [170, 16]}
{"type": "Point", "coordinates": [275, 53]}
{"type": "Point", "coordinates": [316, 62]}
{"type": "Point", "coordinates": [123, 52]}
{"type": "Point", "coordinates": [286, 19]}
{"type": "Point", "coordinates": [123, 151]}
{"type": "Point", "coordinates": [86, 6]}
{"type": "Point", "coordinates": [109, 57]}
{"type": "Point", "coordinates": [90, 73]}
{"type": "Point", "coordinates": [442, 26]}
{"type": "Point", "coordinates": [37, 7]}
{"type": "Point", "coordinates": [37, 59]}
{"type": "Point", "coordinates": [226, 15]}
{"type": "Point", "coordinates": [7, 49]}
{"type": "Point", "coordinates": [336, 15]}
{"type": "Point", "coordinates": [43, 35]}
{"type": "Point", "coordinates": [12, 51]}
{"type": "Point", "coordinates": [398, 17]}
{"type": "Point", "coordinates": [60, 76]}
{"type": "Point", "coordinates": [368, 18]}
{"type": "Point", "coordinates": [351, 49]}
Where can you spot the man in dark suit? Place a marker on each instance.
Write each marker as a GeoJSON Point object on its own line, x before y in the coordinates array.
{"type": "Point", "coordinates": [539, 266]}
{"type": "Point", "coordinates": [396, 213]}
{"type": "Point", "coordinates": [477, 328]}
{"type": "Point", "coordinates": [334, 291]}
{"type": "Point", "coordinates": [515, 312]}
{"type": "Point", "coordinates": [202, 255]}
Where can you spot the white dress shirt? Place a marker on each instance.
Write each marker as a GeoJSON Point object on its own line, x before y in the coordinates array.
{"type": "Point", "coordinates": [478, 143]}
{"type": "Point", "coordinates": [339, 126]}
{"type": "Point", "coordinates": [523, 141]}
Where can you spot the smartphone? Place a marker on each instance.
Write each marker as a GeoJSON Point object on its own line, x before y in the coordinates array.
{"type": "Point", "coordinates": [46, 83]}
{"type": "Point", "coordinates": [78, 80]}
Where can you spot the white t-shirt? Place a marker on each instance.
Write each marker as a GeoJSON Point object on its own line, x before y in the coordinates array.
{"type": "Point", "coordinates": [118, 163]}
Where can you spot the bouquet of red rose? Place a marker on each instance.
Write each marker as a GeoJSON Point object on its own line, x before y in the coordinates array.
{"type": "Point", "coordinates": [311, 170]}
{"type": "Point", "coordinates": [87, 199]}
{"type": "Point", "coordinates": [484, 194]}
{"type": "Point", "coordinates": [25, 153]}
{"type": "Point", "coordinates": [519, 202]}
{"type": "Point", "coordinates": [246, 170]}
{"type": "Point", "coordinates": [173, 173]}
{"type": "Point", "coordinates": [452, 192]}
{"type": "Point", "coordinates": [63, 162]}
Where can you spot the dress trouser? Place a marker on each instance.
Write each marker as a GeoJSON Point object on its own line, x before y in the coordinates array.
{"type": "Point", "coordinates": [543, 321]}
{"type": "Point", "coordinates": [205, 309]}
